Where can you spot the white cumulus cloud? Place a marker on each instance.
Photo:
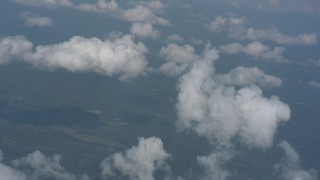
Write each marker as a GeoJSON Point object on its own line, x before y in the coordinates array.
{"type": "Point", "coordinates": [144, 14]}
{"type": "Point", "coordinates": [144, 30]}
{"type": "Point", "coordinates": [121, 56]}
{"type": "Point", "coordinates": [37, 166]}
{"type": "Point", "coordinates": [139, 162]}
{"type": "Point", "coordinates": [221, 113]}
{"type": "Point", "coordinates": [210, 105]}
{"type": "Point", "coordinates": [177, 58]}
{"type": "Point", "coordinates": [13, 47]}
{"type": "Point", "coordinates": [43, 167]}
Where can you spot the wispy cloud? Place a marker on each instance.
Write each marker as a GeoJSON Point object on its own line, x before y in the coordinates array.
{"type": "Point", "coordinates": [242, 76]}
{"type": "Point", "coordinates": [314, 84]}
{"type": "Point", "coordinates": [31, 19]}
{"type": "Point", "coordinates": [143, 16]}
{"type": "Point", "coordinates": [236, 28]}
{"type": "Point", "coordinates": [290, 168]}
{"type": "Point", "coordinates": [256, 50]}
{"type": "Point", "coordinates": [305, 6]}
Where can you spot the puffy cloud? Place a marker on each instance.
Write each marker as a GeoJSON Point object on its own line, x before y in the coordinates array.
{"type": "Point", "coordinates": [43, 167]}
{"type": "Point", "coordinates": [213, 165]}
{"type": "Point", "coordinates": [256, 50]}
{"type": "Point", "coordinates": [120, 56]}
{"type": "Point", "coordinates": [181, 54]}
{"type": "Point", "coordinates": [221, 113]}
{"type": "Point", "coordinates": [178, 58]}
{"type": "Point", "coordinates": [290, 167]}
{"type": "Point", "coordinates": [9, 173]}
{"type": "Point", "coordinates": [242, 76]}
{"type": "Point", "coordinates": [13, 47]}
{"type": "Point", "coordinates": [314, 84]}
{"type": "Point", "coordinates": [139, 162]}
{"type": "Point", "coordinates": [37, 166]}
{"type": "Point", "coordinates": [31, 19]}
{"type": "Point", "coordinates": [144, 30]}
{"type": "Point", "coordinates": [141, 13]}
{"type": "Point", "coordinates": [236, 28]}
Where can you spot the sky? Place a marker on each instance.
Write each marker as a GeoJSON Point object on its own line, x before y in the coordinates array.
{"type": "Point", "coordinates": [243, 77]}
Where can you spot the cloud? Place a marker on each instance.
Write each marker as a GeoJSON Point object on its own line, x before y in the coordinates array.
{"type": "Point", "coordinates": [314, 84]}
{"type": "Point", "coordinates": [141, 13]}
{"type": "Point", "coordinates": [9, 173]}
{"type": "Point", "coordinates": [236, 28]}
{"type": "Point", "coordinates": [13, 47]}
{"type": "Point", "coordinates": [154, 5]}
{"type": "Point", "coordinates": [290, 167]}
{"type": "Point", "coordinates": [139, 162]}
{"type": "Point", "coordinates": [214, 165]}
{"type": "Point", "coordinates": [31, 19]}
{"type": "Point", "coordinates": [177, 57]}
{"type": "Point", "coordinates": [306, 6]}
{"type": "Point", "coordinates": [144, 12]}
{"type": "Point", "coordinates": [196, 41]}
{"type": "Point", "coordinates": [46, 3]}
{"type": "Point", "coordinates": [242, 76]}
{"type": "Point", "coordinates": [120, 56]}
{"type": "Point", "coordinates": [38, 166]}
{"type": "Point", "coordinates": [221, 113]}
{"type": "Point", "coordinates": [256, 50]}
{"type": "Point", "coordinates": [210, 105]}
{"type": "Point", "coordinates": [144, 30]}
{"type": "Point", "coordinates": [313, 62]}
{"type": "Point", "coordinates": [101, 6]}
{"type": "Point", "coordinates": [175, 38]}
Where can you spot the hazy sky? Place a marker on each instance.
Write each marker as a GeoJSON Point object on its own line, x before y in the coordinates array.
{"type": "Point", "coordinates": [186, 41]}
